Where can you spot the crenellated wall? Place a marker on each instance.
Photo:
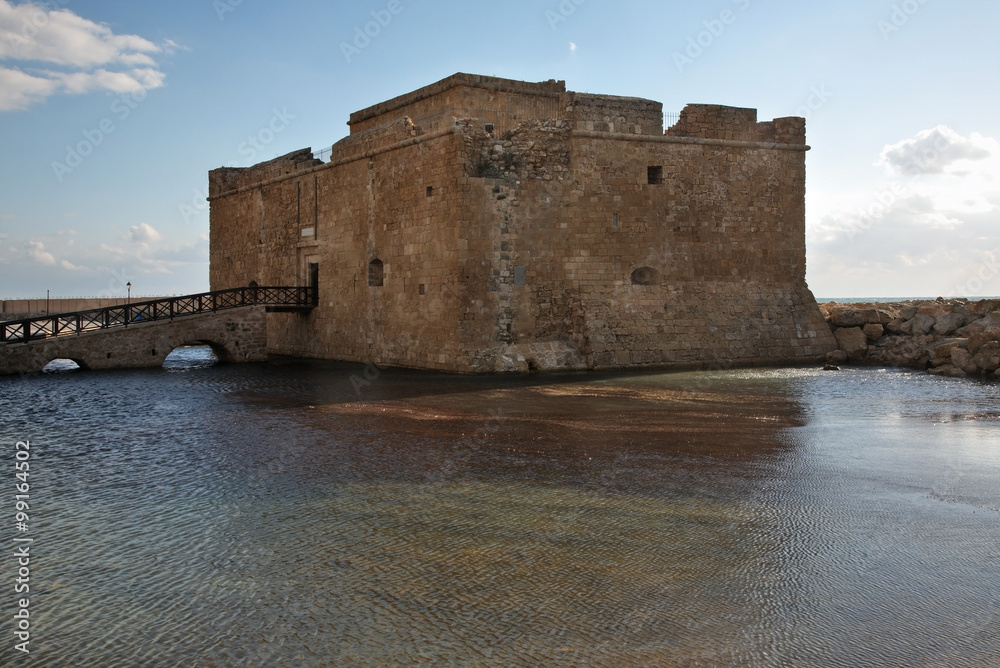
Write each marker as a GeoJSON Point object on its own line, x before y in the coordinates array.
{"type": "Point", "coordinates": [585, 238]}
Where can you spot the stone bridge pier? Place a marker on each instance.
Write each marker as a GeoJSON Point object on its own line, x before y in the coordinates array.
{"type": "Point", "coordinates": [238, 335]}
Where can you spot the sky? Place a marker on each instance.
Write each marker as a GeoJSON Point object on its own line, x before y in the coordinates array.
{"type": "Point", "coordinates": [113, 112]}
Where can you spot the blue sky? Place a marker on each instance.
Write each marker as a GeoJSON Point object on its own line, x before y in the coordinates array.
{"type": "Point", "coordinates": [901, 101]}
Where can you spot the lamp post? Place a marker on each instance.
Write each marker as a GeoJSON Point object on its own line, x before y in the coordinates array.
{"type": "Point", "coordinates": [128, 303]}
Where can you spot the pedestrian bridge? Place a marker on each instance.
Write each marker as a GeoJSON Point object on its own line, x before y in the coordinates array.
{"type": "Point", "coordinates": [143, 334]}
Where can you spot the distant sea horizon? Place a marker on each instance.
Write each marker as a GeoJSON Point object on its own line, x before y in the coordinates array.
{"type": "Point", "coordinates": [874, 300]}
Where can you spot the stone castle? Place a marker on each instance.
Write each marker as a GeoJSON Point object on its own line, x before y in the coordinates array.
{"type": "Point", "coordinates": [488, 225]}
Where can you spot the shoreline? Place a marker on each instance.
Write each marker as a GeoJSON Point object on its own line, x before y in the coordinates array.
{"type": "Point", "coordinates": [958, 338]}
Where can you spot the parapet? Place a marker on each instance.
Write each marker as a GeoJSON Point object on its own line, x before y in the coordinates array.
{"type": "Point", "coordinates": [608, 113]}
{"type": "Point", "coordinates": [713, 121]}
{"type": "Point", "coordinates": [504, 102]}
{"type": "Point", "coordinates": [226, 179]}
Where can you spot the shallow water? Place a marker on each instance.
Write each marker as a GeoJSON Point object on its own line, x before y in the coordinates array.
{"type": "Point", "coordinates": [313, 514]}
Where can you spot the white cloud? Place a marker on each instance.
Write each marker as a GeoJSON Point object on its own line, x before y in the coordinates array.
{"type": "Point", "coordinates": [36, 251]}
{"type": "Point", "coordinates": [143, 233]}
{"type": "Point", "coordinates": [19, 90]}
{"type": "Point", "coordinates": [936, 150]}
{"type": "Point", "coordinates": [918, 234]}
{"type": "Point", "coordinates": [572, 46]}
{"type": "Point", "coordinates": [91, 56]}
{"type": "Point", "coordinates": [154, 264]}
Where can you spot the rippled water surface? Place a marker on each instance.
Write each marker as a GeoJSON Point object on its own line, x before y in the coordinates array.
{"type": "Point", "coordinates": [316, 514]}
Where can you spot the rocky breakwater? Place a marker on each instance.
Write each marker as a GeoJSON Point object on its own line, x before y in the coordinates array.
{"type": "Point", "coordinates": [956, 338]}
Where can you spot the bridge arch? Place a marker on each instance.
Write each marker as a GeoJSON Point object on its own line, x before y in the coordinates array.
{"type": "Point", "coordinates": [236, 335]}
{"type": "Point", "coordinates": [61, 365]}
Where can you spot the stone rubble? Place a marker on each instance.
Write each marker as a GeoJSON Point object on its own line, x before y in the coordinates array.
{"type": "Point", "coordinates": [956, 338]}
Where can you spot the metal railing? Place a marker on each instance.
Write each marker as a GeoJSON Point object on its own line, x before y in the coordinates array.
{"type": "Point", "coordinates": [110, 317]}
{"type": "Point", "coordinates": [323, 154]}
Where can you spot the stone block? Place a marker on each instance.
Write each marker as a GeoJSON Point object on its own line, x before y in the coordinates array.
{"type": "Point", "coordinates": [852, 340]}
{"type": "Point", "coordinates": [922, 324]}
{"type": "Point", "coordinates": [987, 357]}
{"type": "Point", "coordinates": [873, 332]}
{"type": "Point", "coordinates": [948, 323]}
{"type": "Point", "coordinates": [961, 359]}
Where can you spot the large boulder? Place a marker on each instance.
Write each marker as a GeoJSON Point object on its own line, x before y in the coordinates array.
{"type": "Point", "coordinates": [971, 329]}
{"type": "Point", "coordinates": [949, 371]}
{"type": "Point", "coordinates": [852, 340]}
{"type": "Point", "coordinates": [961, 359]}
{"type": "Point", "coordinates": [908, 312]}
{"type": "Point", "coordinates": [991, 323]}
{"type": "Point", "coordinates": [836, 357]}
{"type": "Point", "coordinates": [895, 326]}
{"type": "Point", "coordinates": [873, 332]}
{"type": "Point", "coordinates": [934, 311]}
{"type": "Point", "coordinates": [846, 316]}
{"type": "Point", "coordinates": [977, 341]}
{"type": "Point", "coordinates": [922, 324]}
{"type": "Point", "coordinates": [986, 306]}
{"type": "Point", "coordinates": [942, 349]}
{"type": "Point", "coordinates": [949, 322]}
{"type": "Point", "coordinates": [988, 357]}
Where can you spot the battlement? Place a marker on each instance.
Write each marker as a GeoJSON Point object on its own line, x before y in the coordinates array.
{"type": "Point", "coordinates": [503, 102]}
{"type": "Point", "coordinates": [715, 121]}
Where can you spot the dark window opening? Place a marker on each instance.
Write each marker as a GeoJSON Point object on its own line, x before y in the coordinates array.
{"type": "Point", "coordinates": [615, 220]}
{"type": "Point", "coordinates": [422, 290]}
{"type": "Point", "coordinates": [645, 276]}
{"type": "Point", "coordinates": [314, 282]}
{"type": "Point", "coordinates": [520, 275]}
{"type": "Point", "coordinates": [489, 128]}
{"type": "Point", "coordinates": [430, 191]}
{"type": "Point", "coordinates": [654, 175]}
{"type": "Point", "coordinates": [375, 273]}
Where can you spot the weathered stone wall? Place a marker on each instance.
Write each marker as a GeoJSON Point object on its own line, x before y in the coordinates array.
{"type": "Point", "coordinates": [606, 113]}
{"type": "Point", "coordinates": [503, 102]}
{"type": "Point", "coordinates": [238, 335]}
{"type": "Point", "coordinates": [517, 250]}
{"type": "Point", "coordinates": [722, 230]}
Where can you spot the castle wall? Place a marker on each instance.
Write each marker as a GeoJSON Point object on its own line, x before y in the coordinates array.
{"type": "Point", "coordinates": [556, 244]}
{"type": "Point", "coordinates": [606, 113]}
{"type": "Point", "coordinates": [503, 102]}
{"type": "Point", "coordinates": [371, 204]}
{"type": "Point", "coordinates": [723, 231]}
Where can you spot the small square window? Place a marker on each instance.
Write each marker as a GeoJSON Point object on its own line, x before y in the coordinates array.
{"type": "Point", "coordinates": [430, 191]}
{"type": "Point", "coordinates": [489, 128]}
{"type": "Point", "coordinates": [520, 275]}
{"type": "Point", "coordinates": [654, 175]}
